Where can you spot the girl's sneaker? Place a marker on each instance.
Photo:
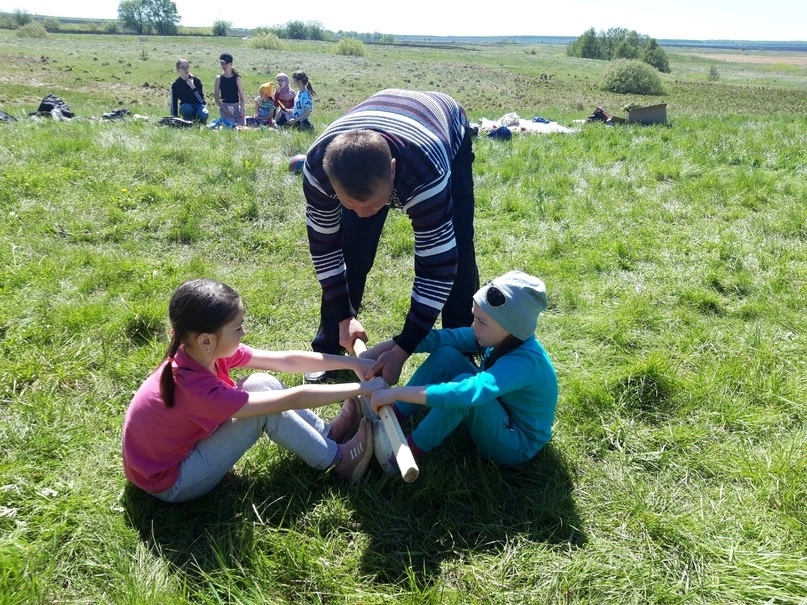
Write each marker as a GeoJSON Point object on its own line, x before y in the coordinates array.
{"type": "Point", "coordinates": [356, 453]}
{"type": "Point", "coordinates": [346, 422]}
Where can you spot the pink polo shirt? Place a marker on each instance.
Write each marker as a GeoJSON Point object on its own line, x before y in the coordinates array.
{"type": "Point", "coordinates": [156, 439]}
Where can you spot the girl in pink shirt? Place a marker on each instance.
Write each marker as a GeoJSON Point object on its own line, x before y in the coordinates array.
{"type": "Point", "coordinates": [284, 97]}
{"type": "Point", "coordinates": [189, 423]}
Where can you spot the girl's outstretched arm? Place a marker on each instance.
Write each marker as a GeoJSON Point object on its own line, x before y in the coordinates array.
{"type": "Point", "coordinates": [217, 92]}
{"type": "Point", "coordinates": [306, 361]}
{"type": "Point", "coordinates": [410, 394]}
{"type": "Point", "coordinates": [242, 99]}
{"type": "Point", "coordinates": [305, 396]}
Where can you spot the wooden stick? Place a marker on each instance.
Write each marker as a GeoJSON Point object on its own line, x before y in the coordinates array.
{"type": "Point", "coordinates": [392, 429]}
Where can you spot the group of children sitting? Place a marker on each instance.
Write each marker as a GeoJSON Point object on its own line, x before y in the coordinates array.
{"type": "Point", "coordinates": [189, 422]}
{"type": "Point", "coordinates": [278, 105]}
{"type": "Point", "coordinates": [283, 102]}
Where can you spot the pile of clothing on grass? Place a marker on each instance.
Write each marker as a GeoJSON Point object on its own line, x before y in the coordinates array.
{"type": "Point", "coordinates": [56, 108]}
{"type": "Point", "coordinates": [515, 125]}
{"type": "Point", "coordinates": [600, 115]}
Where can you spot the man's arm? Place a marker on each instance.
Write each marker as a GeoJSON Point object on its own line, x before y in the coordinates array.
{"type": "Point", "coordinates": [323, 218]}
{"type": "Point", "coordinates": [435, 264]}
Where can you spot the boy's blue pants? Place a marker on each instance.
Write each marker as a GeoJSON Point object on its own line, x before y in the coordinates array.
{"type": "Point", "coordinates": [488, 423]}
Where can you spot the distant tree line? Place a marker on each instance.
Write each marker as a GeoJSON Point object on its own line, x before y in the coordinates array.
{"type": "Point", "coordinates": [313, 30]}
{"type": "Point", "coordinates": [23, 20]}
{"type": "Point", "coordinates": [374, 38]}
{"type": "Point", "coordinates": [147, 16]}
{"type": "Point", "coordinates": [296, 30]}
{"type": "Point", "coordinates": [161, 17]}
{"type": "Point", "coordinates": [619, 43]}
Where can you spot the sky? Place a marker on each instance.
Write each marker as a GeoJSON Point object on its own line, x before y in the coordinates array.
{"type": "Point", "coordinates": [774, 20]}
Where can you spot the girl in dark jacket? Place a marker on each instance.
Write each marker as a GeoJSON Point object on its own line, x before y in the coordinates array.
{"type": "Point", "coordinates": [187, 97]}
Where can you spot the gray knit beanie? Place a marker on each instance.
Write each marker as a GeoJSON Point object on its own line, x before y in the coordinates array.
{"type": "Point", "coordinates": [522, 298]}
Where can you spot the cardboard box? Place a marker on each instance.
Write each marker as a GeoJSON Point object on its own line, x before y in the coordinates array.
{"type": "Point", "coordinates": [652, 114]}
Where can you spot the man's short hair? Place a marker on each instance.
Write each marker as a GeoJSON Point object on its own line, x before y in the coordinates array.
{"type": "Point", "coordinates": [358, 160]}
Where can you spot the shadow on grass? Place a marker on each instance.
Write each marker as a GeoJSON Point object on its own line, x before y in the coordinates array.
{"type": "Point", "coordinates": [223, 527]}
{"type": "Point", "coordinates": [462, 505]}
{"type": "Point", "coordinates": [459, 505]}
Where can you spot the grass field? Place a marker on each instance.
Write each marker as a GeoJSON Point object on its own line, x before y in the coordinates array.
{"type": "Point", "coordinates": [676, 263]}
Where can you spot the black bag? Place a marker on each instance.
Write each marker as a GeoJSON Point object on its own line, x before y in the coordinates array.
{"type": "Point", "coordinates": [52, 102]}
{"type": "Point", "coordinates": [116, 114]}
{"type": "Point", "coordinates": [502, 132]}
{"type": "Point", "coordinates": [175, 122]}
{"type": "Point", "coordinates": [599, 115]}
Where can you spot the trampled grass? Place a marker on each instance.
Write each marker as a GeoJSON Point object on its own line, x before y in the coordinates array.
{"type": "Point", "coordinates": [676, 265]}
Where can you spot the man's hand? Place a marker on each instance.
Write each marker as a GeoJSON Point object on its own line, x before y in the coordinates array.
{"type": "Point", "coordinates": [350, 330]}
{"type": "Point", "coordinates": [375, 352]}
{"type": "Point", "coordinates": [389, 365]}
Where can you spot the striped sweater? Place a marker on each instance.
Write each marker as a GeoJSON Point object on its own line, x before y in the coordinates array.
{"type": "Point", "coordinates": [424, 131]}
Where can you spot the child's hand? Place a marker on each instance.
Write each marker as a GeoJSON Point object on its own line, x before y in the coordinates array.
{"type": "Point", "coordinates": [361, 366]}
{"type": "Point", "coordinates": [382, 397]}
{"type": "Point", "coordinates": [370, 386]}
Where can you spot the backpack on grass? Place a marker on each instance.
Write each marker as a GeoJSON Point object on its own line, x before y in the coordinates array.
{"type": "Point", "coordinates": [52, 102]}
{"type": "Point", "coordinates": [175, 122]}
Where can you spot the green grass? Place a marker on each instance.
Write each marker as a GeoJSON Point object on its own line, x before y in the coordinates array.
{"type": "Point", "coordinates": [676, 266]}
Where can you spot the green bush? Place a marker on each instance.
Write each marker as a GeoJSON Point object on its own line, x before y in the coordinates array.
{"type": "Point", "coordinates": [112, 27]}
{"type": "Point", "coordinates": [627, 76]}
{"type": "Point", "coordinates": [221, 27]}
{"type": "Point", "coordinates": [22, 17]}
{"type": "Point", "coordinates": [266, 41]}
{"type": "Point", "coordinates": [350, 47]}
{"type": "Point", "coordinates": [655, 56]}
{"type": "Point", "coordinates": [51, 25]}
{"type": "Point", "coordinates": [32, 30]}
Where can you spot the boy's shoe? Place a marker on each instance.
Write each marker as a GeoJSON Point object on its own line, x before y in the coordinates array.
{"type": "Point", "coordinates": [315, 377]}
{"type": "Point", "coordinates": [346, 422]}
{"type": "Point", "coordinates": [356, 453]}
